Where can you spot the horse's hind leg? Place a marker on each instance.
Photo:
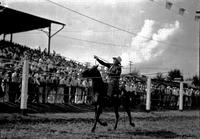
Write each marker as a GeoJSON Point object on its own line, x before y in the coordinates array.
{"type": "Point", "coordinates": [127, 109]}
{"type": "Point", "coordinates": [116, 115]}
{"type": "Point", "coordinates": [129, 116]}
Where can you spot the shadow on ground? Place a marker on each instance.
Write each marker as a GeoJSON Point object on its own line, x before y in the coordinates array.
{"type": "Point", "coordinates": [129, 134]}
{"type": "Point", "coordinates": [43, 108]}
{"type": "Point", "coordinates": [157, 134]}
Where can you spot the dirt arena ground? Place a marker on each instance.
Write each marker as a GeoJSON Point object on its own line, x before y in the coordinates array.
{"type": "Point", "coordinates": [165, 124]}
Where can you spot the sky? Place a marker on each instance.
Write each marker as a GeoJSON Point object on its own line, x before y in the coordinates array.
{"type": "Point", "coordinates": [157, 39]}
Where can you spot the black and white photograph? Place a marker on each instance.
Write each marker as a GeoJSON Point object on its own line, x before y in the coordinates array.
{"type": "Point", "coordinates": [99, 69]}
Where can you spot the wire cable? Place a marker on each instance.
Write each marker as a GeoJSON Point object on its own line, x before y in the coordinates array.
{"type": "Point", "coordinates": [107, 24]}
{"type": "Point", "coordinates": [94, 42]}
{"type": "Point", "coordinates": [84, 40]}
{"type": "Point", "coordinates": [99, 21]}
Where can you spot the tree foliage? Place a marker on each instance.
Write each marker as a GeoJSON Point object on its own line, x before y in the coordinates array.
{"type": "Point", "coordinates": [160, 77]}
{"type": "Point", "coordinates": [196, 81]}
{"type": "Point", "coordinates": [173, 74]}
{"type": "Point", "coordinates": [135, 72]}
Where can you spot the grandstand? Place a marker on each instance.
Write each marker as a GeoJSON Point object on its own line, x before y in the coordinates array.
{"type": "Point", "coordinates": [53, 79]}
{"type": "Point", "coordinates": [42, 63]}
{"type": "Point", "coordinates": [13, 21]}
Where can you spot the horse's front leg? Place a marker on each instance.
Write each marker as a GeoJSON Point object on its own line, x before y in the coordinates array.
{"type": "Point", "coordinates": [99, 121]}
{"type": "Point", "coordinates": [97, 114]}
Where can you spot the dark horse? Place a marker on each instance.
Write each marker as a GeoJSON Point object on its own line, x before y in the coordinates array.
{"type": "Point", "coordinates": [101, 99]}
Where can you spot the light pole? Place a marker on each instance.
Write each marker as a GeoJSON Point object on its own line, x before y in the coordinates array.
{"type": "Point", "coordinates": [197, 18]}
{"type": "Point", "coordinates": [130, 62]}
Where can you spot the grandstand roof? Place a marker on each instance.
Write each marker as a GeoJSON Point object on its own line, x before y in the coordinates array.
{"type": "Point", "coordinates": [13, 21]}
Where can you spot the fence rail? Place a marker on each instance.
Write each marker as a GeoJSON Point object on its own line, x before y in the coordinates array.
{"type": "Point", "coordinates": [144, 94]}
{"type": "Point", "coordinates": [51, 93]}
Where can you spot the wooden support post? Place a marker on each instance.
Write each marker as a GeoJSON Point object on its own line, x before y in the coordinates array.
{"type": "Point", "coordinates": [148, 95]}
{"type": "Point", "coordinates": [181, 97]}
{"type": "Point", "coordinates": [24, 91]}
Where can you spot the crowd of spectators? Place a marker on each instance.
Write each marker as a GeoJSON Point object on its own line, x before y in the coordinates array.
{"type": "Point", "coordinates": [163, 95]}
{"type": "Point", "coordinates": [55, 79]}
{"type": "Point", "coordinates": [48, 73]}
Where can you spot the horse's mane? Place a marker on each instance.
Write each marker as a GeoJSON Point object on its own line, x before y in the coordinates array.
{"type": "Point", "coordinates": [99, 86]}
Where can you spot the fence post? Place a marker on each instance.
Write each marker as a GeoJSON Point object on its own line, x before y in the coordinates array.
{"type": "Point", "coordinates": [70, 93]}
{"type": "Point", "coordinates": [181, 97]}
{"type": "Point", "coordinates": [148, 95]}
{"type": "Point", "coordinates": [24, 91]}
{"type": "Point", "coordinates": [76, 95]}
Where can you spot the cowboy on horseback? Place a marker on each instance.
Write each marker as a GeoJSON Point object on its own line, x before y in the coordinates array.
{"type": "Point", "coordinates": [104, 97]}
{"type": "Point", "coordinates": [114, 72]}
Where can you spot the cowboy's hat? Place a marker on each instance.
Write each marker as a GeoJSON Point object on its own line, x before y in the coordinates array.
{"type": "Point", "coordinates": [119, 59]}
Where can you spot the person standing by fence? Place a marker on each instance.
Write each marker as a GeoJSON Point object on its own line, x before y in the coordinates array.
{"type": "Point", "coordinates": [66, 88]}
{"type": "Point", "coordinates": [85, 91]}
{"type": "Point", "coordinates": [74, 84]}
{"type": "Point", "coordinates": [2, 92]}
{"type": "Point", "coordinates": [14, 86]}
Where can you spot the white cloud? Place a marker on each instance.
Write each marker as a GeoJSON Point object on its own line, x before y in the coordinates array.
{"type": "Point", "coordinates": [142, 46]}
{"type": "Point", "coordinates": [142, 11]}
{"type": "Point", "coordinates": [145, 33]}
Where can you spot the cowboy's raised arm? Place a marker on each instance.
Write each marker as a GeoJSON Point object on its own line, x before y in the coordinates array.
{"type": "Point", "coordinates": [108, 65]}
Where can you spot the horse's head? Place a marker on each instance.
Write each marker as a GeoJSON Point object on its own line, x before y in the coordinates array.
{"type": "Point", "coordinates": [91, 72]}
